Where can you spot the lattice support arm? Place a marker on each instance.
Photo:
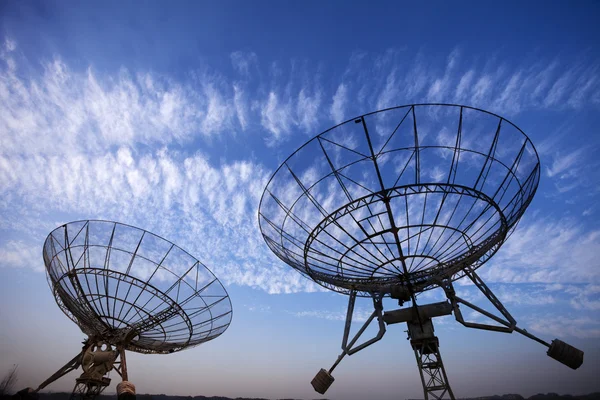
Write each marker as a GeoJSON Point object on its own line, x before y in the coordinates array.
{"type": "Point", "coordinates": [376, 313]}
{"type": "Point", "coordinates": [351, 301]}
{"type": "Point", "coordinates": [509, 324]}
{"type": "Point", "coordinates": [557, 349]}
{"type": "Point", "coordinates": [68, 367]}
{"type": "Point", "coordinates": [429, 360]}
{"type": "Point", "coordinates": [349, 348]}
{"type": "Point", "coordinates": [512, 323]}
{"type": "Point", "coordinates": [323, 379]}
{"type": "Point", "coordinates": [507, 328]}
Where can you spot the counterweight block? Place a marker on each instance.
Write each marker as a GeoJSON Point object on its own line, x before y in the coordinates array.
{"type": "Point", "coordinates": [566, 354]}
{"type": "Point", "coordinates": [322, 381]}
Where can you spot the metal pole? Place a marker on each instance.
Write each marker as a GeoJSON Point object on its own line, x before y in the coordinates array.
{"type": "Point", "coordinates": [123, 364]}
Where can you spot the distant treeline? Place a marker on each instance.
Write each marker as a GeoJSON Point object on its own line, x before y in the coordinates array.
{"type": "Point", "coordinates": [549, 396]}
{"type": "Point", "coordinates": [540, 396]}
{"type": "Point", "coordinates": [65, 396]}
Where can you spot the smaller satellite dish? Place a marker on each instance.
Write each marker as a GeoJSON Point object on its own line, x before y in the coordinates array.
{"type": "Point", "coordinates": [129, 289]}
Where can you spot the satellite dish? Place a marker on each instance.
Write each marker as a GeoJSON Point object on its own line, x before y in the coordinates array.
{"type": "Point", "coordinates": [129, 289]}
{"type": "Point", "coordinates": [398, 202]}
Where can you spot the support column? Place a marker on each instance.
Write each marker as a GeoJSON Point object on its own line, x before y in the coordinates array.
{"type": "Point", "coordinates": [125, 389]}
{"type": "Point", "coordinates": [431, 368]}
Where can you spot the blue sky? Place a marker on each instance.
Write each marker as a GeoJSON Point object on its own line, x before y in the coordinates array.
{"type": "Point", "coordinates": [173, 117]}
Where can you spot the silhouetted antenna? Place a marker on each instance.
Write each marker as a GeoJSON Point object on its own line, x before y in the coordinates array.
{"type": "Point", "coordinates": [129, 289]}
{"type": "Point", "coordinates": [400, 201]}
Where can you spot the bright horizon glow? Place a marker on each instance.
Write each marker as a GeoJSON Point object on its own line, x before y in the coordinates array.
{"type": "Point", "coordinates": [172, 119]}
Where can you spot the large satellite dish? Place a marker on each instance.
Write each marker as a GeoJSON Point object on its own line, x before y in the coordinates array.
{"type": "Point", "coordinates": [401, 201]}
{"type": "Point", "coordinates": [129, 289]}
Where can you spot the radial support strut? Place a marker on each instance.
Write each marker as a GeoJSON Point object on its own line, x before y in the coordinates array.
{"type": "Point", "coordinates": [324, 379]}
{"type": "Point", "coordinates": [125, 389]}
{"type": "Point", "coordinates": [68, 367]}
{"type": "Point", "coordinates": [557, 349]}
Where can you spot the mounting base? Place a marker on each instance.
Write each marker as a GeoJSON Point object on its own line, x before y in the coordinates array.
{"type": "Point", "coordinates": [88, 388]}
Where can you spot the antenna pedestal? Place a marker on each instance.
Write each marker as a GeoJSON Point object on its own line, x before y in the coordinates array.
{"type": "Point", "coordinates": [426, 347]}
{"type": "Point", "coordinates": [89, 388]}
{"type": "Point", "coordinates": [97, 360]}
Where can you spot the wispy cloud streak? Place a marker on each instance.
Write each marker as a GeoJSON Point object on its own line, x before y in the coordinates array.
{"type": "Point", "coordinates": [82, 143]}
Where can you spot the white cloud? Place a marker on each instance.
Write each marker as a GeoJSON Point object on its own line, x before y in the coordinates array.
{"type": "Point", "coordinates": [218, 113]}
{"type": "Point", "coordinates": [389, 96]}
{"type": "Point", "coordinates": [563, 165]}
{"type": "Point", "coordinates": [566, 170]}
{"type": "Point", "coordinates": [585, 85]}
{"type": "Point", "coordinates": [207, 210]}
{"type": "Point", "coordinates": [243, 62]}
{"type": "Point", "coordinates": [307, 111]}
{"type": "Point", "coordinates": [463, 85]}
{"type": "Point", "coordinates": [18, 253]}
{"type": "Point", "coordinates": [565, 326]}
{"type": "Point", "coordinates": [92, 113]}
{"type": "Point", "coordinates": [10, 44]}
{"type": "Point", "coordinates": [241, 106]}
{"type": "Point", "coordinates": [85, 144]}
{"type": "Point", "coordinates": [524, 295]}
{"type": "Point", "coordinates": [481, 89]}
{"type": "Point", "coordinates": [276, 117]}
{"type": "Point", "coordinates": [453, 57]}
{"type": "Point", "coordinates": [359, 315]}
{"type": "Point", "coordinates": [542, 79]}
{"type": "Point", "coordinates": [509, 99]}
{"type": "Point", "coordinates": [586, 297]}
{"type": "Point", "coordinates": [337, 110]}
{"type": "Point", "coordinates": [258, 308]}
{"type": "Point", "coordinates": [559, 89]}
{"type": "Point", "coordinates": [547, 250]}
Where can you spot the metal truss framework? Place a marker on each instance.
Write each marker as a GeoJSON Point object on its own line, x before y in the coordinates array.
{"type": "Point", "coordinates": [128, 289]}
{"type": "Point", "coordinates": [400, 201]}
{"type": "Point", "coordinates": [354, 210]}
{"type": "Point", "coordinates": [112, 279]}
{"type": "Point", "coordinates": [419, 320]}
{"type": "Point", "coordinates": [431, 368]}
{"type": "Point", "coordinates": [86, 389]}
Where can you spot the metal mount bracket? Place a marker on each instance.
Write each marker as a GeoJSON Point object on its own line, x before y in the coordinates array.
{"type": "Point", "coordinates": [68, 367]}
{"type": "Point", "coordinates": [509, 323]}
{"type": "Point", "coordinates": [323, 379]}
{"type": "Point", "coordinates": [559, 350]}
